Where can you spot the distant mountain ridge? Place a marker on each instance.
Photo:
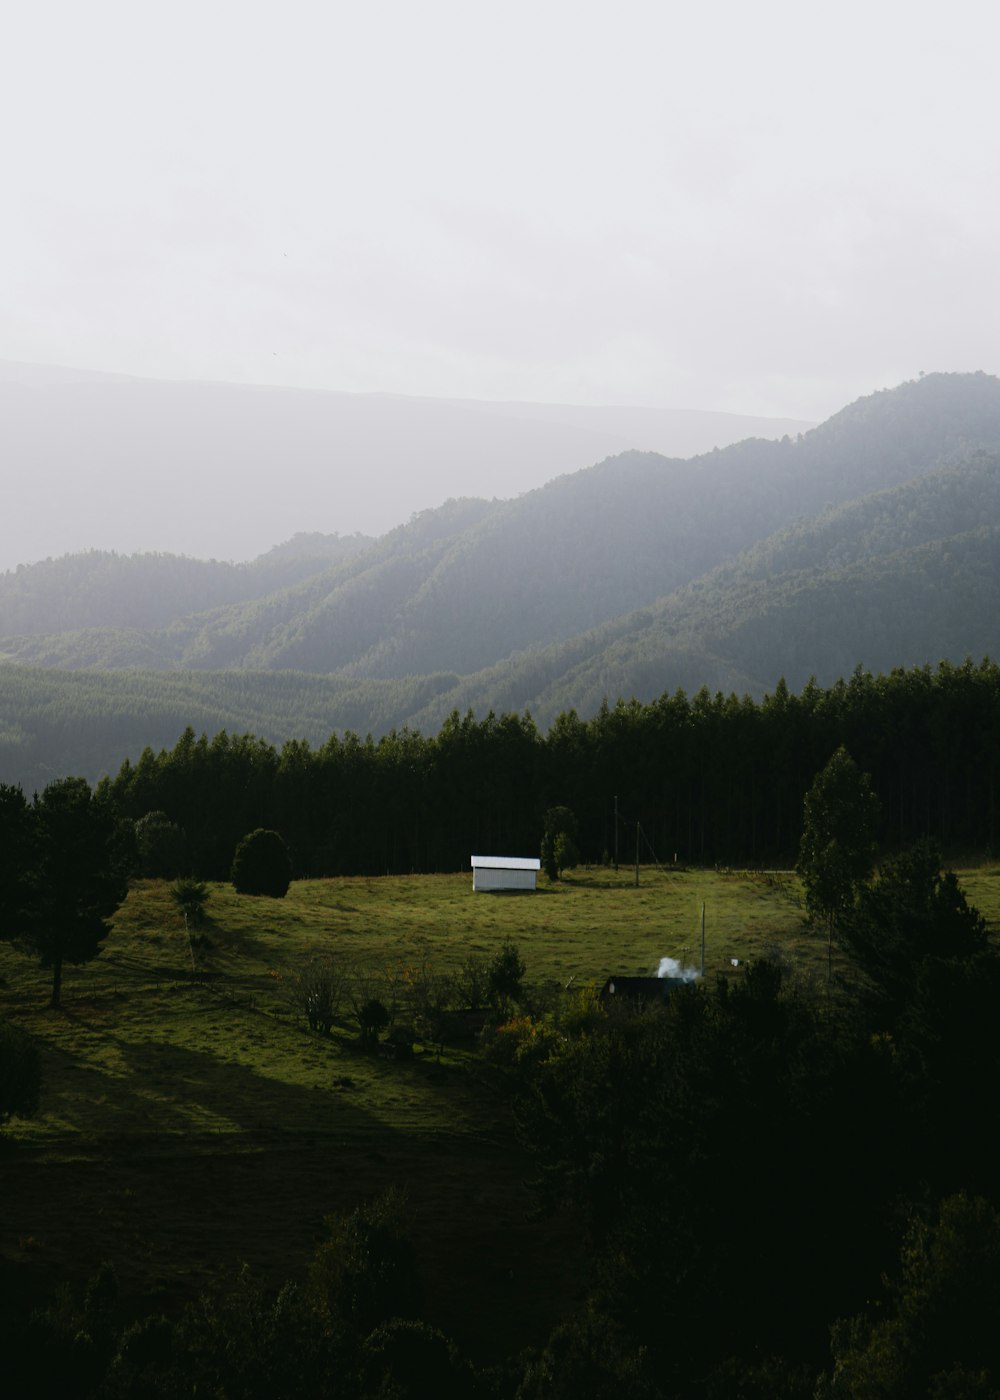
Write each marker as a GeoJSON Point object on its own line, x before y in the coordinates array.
{"type": "Point", "coordinates": [873, 539]}
{"type": "Point", "coordinates": [114, 462]}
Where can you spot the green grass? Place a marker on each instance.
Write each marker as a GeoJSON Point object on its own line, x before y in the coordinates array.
{"type": "Point", "coordinates": [190, 1120]}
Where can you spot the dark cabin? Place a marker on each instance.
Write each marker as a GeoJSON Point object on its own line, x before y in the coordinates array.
{"type": "Point", "coordinates": [638, 992]}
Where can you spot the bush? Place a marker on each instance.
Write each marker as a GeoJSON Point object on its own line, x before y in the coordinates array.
{"type": "Point", "coordinates": [317, 992]}
{"type": "Point", "coordinates": [190, 896]}
{"type": "Point", "coordinates": [262, 865]}
{"type": "Point", "coordinates": [560, 822]}
{"type": "Point", "coordinates": [365, 1271]}
{"type": "Point", "coordinates": [400, 1040]}
{"type": "Point", "coordinates": [505, 978]}
{"type": "Point", "coordinates": [20, 1073]}
{"type": "Point", "coordinates": [373, 1019]}
{"type": "Point", "coordinates": [565, 853]}
{"type": "Point", "coordinates": [472, 985]}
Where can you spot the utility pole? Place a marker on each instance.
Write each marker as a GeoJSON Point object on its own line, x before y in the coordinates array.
{"type": "Point", "coordinates": [637, 855]}
{"type": "Point", "coordinates": [703, 938]}
{"type": "Point", "coordinates": [616, 833]}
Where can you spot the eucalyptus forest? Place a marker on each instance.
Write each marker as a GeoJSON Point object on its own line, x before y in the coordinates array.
{"type": "Point", "coordinates": [709, 779]}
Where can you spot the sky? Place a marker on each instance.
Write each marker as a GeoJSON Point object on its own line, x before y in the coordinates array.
{"type": "Point", "coordinates": [765, 209]}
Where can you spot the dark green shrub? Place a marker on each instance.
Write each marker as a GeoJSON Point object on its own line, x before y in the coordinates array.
{"type": "Point", "coordinates": [400, 1041]}
{"type": "Point", "coordinates": [565, 853]}
{"type": "Point", "coordinates": [190, 896]}
{"type": "Point", "coordinates": [262, 865]}
{"type": "Point", "coordinates": [317, 993]}
{"type": "Point", "coordinates": [373, 1019]}
{"type": "Point", "coordinates": [559, 822]}
{"type": "Point", "coordinates": [506, 975]}
{"type": "Point", "coordinates": [365, 1271]}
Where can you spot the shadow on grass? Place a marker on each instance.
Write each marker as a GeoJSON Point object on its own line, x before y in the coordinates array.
{"type": "Point", "coordinates": [192, 1085]}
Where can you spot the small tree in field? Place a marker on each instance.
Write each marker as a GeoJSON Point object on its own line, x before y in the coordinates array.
{"type": "Point", "coordinates": [565, 853]}
{"type": "Point", "coordinates": [372, 1019]}
{"type": "Point", "coordinates": [262, 865]}
{"type": "Point", "coordinates": [559, 849]}
{"type": "Point", "coordinates": [190, 896]}
{"type": "Point", "coordinates": [79, 876]}
{"type": "Point", "coordinates": [506, 975]}
{"type": "Point", "coordinates": [318, 992]}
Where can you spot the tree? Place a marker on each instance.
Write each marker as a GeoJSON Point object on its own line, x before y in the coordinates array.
{"type": "Point", "coordinates": [937, 1336]}
{"type": "Point", "coordinates": [565, 855]}
{"type": "Point", "coordinates": [190, 896]}
{"type": "Point", "coordinates": [317, 992]}
{"type": "Point", "coordinates": [160, 844]}
{"type": "Point", "coordinates": [79, 876]}
{"type": "Point", "coordinates": [365, 1271]}
{"type": "Point", "coordinates": [506, 975]}
{"type": "Point", "coordinates": [373, 1019]}
{"type": "Point", "coordinates": [262, 865]}
{"type": "Point", "coordinates": [837, 850]}
{"type": "Point", "coordinates": [20, 1073]}
{"type": "Point", "coordinates": [911, 915]}
{"type": "Point", "coordinates": [559, 854]}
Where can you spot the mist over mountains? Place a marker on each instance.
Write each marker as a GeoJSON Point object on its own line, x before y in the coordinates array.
{"type": "Point", "coordinates": [226, 470]}
{"type": "Point", "coordinates": [872, 540]}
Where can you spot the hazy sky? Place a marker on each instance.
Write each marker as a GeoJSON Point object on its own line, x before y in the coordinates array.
{"type": "Point", "coordinates": [764, 208]}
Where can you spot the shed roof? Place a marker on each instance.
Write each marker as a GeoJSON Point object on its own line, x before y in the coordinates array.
{"type": "Point", "coordinates": [506, 863]}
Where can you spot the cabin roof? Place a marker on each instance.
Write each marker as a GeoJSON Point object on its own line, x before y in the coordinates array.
{"type": "Point", "coordinates": [506, 863]}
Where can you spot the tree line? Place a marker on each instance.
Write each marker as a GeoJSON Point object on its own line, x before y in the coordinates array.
{"type": "Point", "coordinates": [708, 779]}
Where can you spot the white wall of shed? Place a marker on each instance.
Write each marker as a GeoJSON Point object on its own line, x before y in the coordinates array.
{"type": "Point", "coordinates": [484, 878]}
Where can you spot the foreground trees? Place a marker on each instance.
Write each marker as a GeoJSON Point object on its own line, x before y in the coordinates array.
{"type": "Point", "coordinates": [747, 1158]}
{"type": "Point", "coordinates": [937, 1335]}
{"type": "Point", "coordinates": [75, 857]}
{"type": "Point", "coordinates": [839, 837]}
{"type": "Point", "coordinates": [711, 779]}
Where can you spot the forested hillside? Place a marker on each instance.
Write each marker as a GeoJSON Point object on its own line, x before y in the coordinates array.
{"type": "Point", "coordinates": [869, 540]}
{"type": "Point", "coordinates": [462, 587]}
{"type": "Point", "coordinates": [894, 579]}
{"type": "Point", "coordinates": [103, 590]}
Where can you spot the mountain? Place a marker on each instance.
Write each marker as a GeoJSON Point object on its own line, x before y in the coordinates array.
{"type": "Point", "coordinates": [125, 464]}
{"type": "Point", "coordinates": [102, 589]}
{"type": "Point", "coordinates": [903, 577]}
{"type": "Point", "coordinates": [871, 539]}
{"type": "Point", "coordinates": [464, 587]}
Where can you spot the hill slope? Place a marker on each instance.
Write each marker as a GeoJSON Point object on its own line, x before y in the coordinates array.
{"type": "Point", "coordinates": [874, 540]}
{"type": "Point", "coordinates": [902, 577]}
{"type": "Point", "coordinates": [463, 587]}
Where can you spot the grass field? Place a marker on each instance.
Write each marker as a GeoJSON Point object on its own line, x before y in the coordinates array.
{"type": "Point", "coordinates": [190, 1120]}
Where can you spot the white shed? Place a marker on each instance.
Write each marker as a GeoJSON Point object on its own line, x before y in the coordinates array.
{"type": "Point", "coordinates": [504, 872]}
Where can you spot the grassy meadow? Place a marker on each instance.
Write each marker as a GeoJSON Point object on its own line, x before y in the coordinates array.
{"type": "Point", "coordinates": [190, 1120]}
